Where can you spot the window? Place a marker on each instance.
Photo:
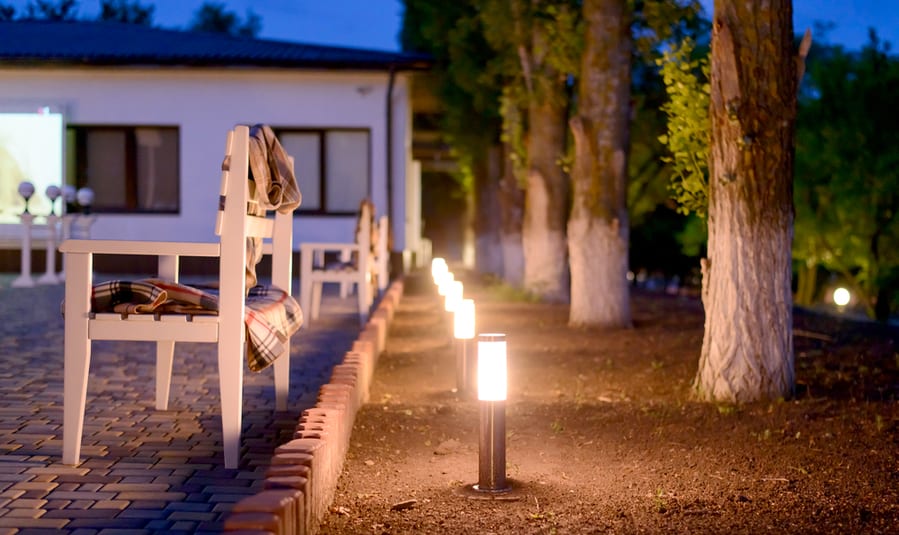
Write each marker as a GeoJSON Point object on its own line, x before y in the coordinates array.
{"type": "Point", "coordinates": [132, 169]}
{"type": "Point", "coordinates": [332, 166]}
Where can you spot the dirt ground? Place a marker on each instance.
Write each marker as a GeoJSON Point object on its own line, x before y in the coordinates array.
{"type": "Point", "coordinates": [603, 437]}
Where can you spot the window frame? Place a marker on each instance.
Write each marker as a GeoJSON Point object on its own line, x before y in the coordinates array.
{"type": "Point", "coordinates": [322, 132]}
{"type": "Point", "coordinates": [131, 172]}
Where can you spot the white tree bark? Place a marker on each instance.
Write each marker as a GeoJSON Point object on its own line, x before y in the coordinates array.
{"type": "Point", "coordinates": [599, 294]}
{"type": "Point", "coordinates": [598, 226]}
{"type": "Point", "coordinates": [513, 259]}
{"type": "Point", "coordinates": [747, 350]}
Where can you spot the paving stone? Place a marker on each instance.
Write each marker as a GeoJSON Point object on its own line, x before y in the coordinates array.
{"type": "Point", "coordinates": [172, 459]}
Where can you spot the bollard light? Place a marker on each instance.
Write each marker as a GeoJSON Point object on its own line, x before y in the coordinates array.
{"type": "Point", "coordinates": [85, 197]}
{"type": "Point", "coordinates": [438, 268]}
{"type": "Point", "coordinates": [453, 296]}
{"type": "Point", "coordinates": [492, 428]}
{"type": "Point", "coordinates": [463, 320]}
{"type": "Point", "coordinates": [463, 332]}
{"type": "Point", "coordinates": [492, 373]}
{"type": "Point", "coordinates": [446, 279]}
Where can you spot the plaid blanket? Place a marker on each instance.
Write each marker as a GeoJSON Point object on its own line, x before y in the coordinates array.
{"type": "Point", "coordinates": [272, 315]}
{"type": "Point", "coordinates": [274, 186]}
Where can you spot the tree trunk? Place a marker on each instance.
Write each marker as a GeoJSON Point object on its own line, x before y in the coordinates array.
{"type": "Point", "coordinates": [488, 226]}
{"type": "Point", "coordinates": [747, 350]}
{"type": "Point", "coordinates": [546, 195]}
{"type": "Point", "coordinates": [807, 283]}
{"type": "Point", "coordinates": [511, 208]}
{"type": "Point", "coordinates": [598, 226]}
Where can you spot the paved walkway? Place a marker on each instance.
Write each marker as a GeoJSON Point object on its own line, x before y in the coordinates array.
{"type": "Point", "coordinates": [142, 471]}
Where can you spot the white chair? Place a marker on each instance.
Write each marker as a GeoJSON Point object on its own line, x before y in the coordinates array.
{"type": "Point", "coordinates": [226, 329]}
{"type": "Point", "coordinates": [358, 266]}
{"type": "Point", "coordinates": [381, 259]}
{"type": "Point", "coordinates": [382, 253]}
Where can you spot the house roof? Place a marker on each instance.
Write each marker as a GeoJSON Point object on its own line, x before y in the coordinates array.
{"type": "Point", "coordinates": [96, 43]}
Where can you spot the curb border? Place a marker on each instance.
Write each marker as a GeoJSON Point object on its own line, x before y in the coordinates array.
{"type": "Point", "coordinates": [301, 481]}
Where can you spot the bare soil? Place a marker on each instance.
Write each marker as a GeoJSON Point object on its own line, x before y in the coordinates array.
{"type": "Point", "coordinates": [604, 437]}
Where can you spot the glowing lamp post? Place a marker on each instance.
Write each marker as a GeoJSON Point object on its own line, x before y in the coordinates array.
{"type": "Point", "coordinates": [463, 332]}
{"type": "Point", "coordinates": [443, 284]}
{"type": "Point", "coordinates": [25, 280]}
{"type": "Point", "coordinates": [492, 379]}
{"type": "Point", "coordinates": [452, 297]}
{"type": "Point", "coordinates": [438, 268]}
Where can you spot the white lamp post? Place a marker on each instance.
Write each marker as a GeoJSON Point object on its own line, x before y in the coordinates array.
{"type": "Point", "coordinates": [492, 389]}
{"type": "Point", "coordinates": [463, 332]}
{"type": "Point", "coordinates": [25, 280]}
{"type": "Point", "coordinates": [49, 277]}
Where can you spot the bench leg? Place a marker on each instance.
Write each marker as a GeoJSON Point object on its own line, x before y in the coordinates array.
{"type": "Point", "coordinates": [316, 298]}
{"type": "Point", "coordinates": [230, 357]}
{"type": "Point", "coordinates": [77, 354]}
{"type": "Point", "coordinates": [364, 292]}
{"type": "Point", "coordinates": [282, 378]}
{"type": "Point", "coordinates": [345, 286]}
{"type": "Point", "coordinates": [306, 282]}
{"type": "Point", "coordinates": [165, 352]}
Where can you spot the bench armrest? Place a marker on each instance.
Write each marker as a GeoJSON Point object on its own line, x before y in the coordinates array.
{"type": "Point", "coordinates": [326, 246]}
{"type": "Point", "coordinates": [137, 247]}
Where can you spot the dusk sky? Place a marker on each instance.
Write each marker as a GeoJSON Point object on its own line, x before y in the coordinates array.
{"type": "Point", "coordinates": [376, 23]}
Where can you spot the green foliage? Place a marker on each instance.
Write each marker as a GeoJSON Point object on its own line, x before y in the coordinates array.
{"type": "Point", "coordinates": [49, 10]}
{"type": "Point", "coordinates": [688, 126]}
{"type": "Point", "coordinates": [513, 129]}
{"type": "Point", "coordinates": [7, 12]}
{"type": "Point", "coordinates": [846, 186]}
{"type": "Point", "coordinates": [657, 25]}
{"type": "Point", "coordinates": [214, 17]}
{"type": "Point", "coordinates": [463, 77]}
{"type": "Point", "coordinates": [127, 11]}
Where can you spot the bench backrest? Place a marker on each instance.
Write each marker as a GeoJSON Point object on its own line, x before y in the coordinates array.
{"type": "Point", "coordinates": [244, 227]}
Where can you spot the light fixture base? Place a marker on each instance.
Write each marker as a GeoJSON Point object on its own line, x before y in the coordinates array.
{"type": "Point", "coordinates": [513, 492]}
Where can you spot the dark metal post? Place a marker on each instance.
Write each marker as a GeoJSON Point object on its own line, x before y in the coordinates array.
{"type": "Point", "coordinates": [492, 447]}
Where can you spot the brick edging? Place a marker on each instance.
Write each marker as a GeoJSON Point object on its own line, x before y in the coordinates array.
{"type": "Point", "coordinates": [301, 480]}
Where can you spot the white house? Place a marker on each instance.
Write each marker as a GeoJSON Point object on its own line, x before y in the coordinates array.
{"type": "Point", "coordinates": [144, 113]}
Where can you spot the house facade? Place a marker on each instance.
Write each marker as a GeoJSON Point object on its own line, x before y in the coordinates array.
{"type": "Point", "coordinates": [144, 116]}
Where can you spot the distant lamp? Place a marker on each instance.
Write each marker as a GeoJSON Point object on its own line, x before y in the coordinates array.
{"type": "Point", "coordinates": [463, 333]}
{"type": "Point", "coordinates": [492, 429]}
{"type": "Point", "coordinates": [438, 268]}
{"type": "Point", "coordinates": [446, 280]}
{"type": "Point", "coordinates": [26, 190]}
{"type": "Point", "coordinates": [69, 194]}
{"type": "Point", "coordinates": [53, 192]}
{"type": "Point", "coordinates": [841, 297]}
{"type": "Point", "coordinates": [85, 197]}
{"type": "Point", "coordinates": [453, 296]}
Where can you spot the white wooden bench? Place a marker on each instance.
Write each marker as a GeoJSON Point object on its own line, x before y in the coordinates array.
{"type": "Point", "coordinates": [363, 264]}
{"type": "Point", "coordinates": [227, 329]}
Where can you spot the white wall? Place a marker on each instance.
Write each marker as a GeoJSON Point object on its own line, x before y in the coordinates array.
{"type": "Point", "coordinates": [204, 104]}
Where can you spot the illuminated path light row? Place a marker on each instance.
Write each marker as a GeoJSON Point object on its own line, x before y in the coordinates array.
{"type": "Point", "coordinates": [492, 380]}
